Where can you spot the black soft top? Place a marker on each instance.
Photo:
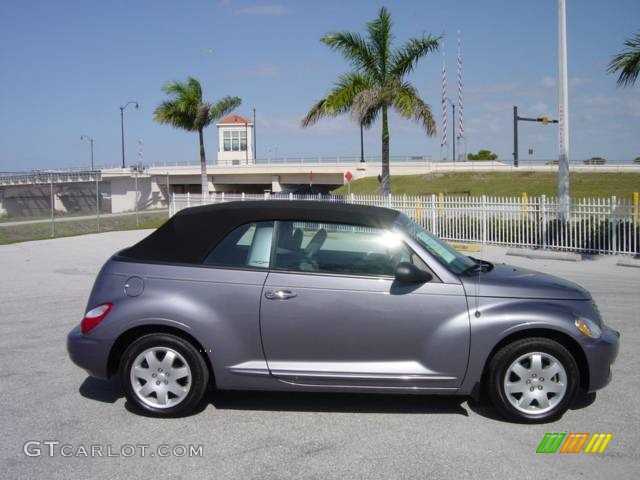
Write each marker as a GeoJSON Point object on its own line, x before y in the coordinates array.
{"type": "Point", "coordinates": [189, 236]}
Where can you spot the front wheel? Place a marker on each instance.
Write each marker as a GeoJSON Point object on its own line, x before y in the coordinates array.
{"type": "Point", "coordinates": [163, 375]}
{"type": "Point", "coordinates": [533, 380]}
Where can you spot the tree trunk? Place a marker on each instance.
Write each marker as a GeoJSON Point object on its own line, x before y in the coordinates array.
{"type": "Point", "coordinates": [386, 180]}
{"type": "Point", "coordinates": [204, 181]}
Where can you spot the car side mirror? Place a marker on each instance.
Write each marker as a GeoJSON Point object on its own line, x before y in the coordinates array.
{"type": "Point", "coordinates": [408, 273]}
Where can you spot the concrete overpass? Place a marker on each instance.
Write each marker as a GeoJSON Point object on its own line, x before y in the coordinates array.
{"type": "Point", "coordinates": [120, 190]}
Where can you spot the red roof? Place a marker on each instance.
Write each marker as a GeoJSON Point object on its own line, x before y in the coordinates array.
{"type": "Point", "coordinates": [233, 118]}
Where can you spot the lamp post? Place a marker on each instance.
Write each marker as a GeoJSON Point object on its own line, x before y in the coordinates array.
{"type": "Point", "coordinates": [361, 146]}
{"type": "Point", "coordinates": [87, 137]}
{"type": "Point", "coordinates": [122, 124]}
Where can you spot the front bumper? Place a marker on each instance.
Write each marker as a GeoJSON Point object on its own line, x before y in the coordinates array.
{"type": "Point", "coordinates": [601, 354]}
{"type": "Point", "coordinates": [90, 354]}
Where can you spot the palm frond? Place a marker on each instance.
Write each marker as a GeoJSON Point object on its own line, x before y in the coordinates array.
{"type": "Point", "coordinates": [171, 112]}
{"type": "Point", "coordinates": [339, 99]}
{"type": "Point", "coordinates": [187, 110]}
{"type": "Point", "coordinates": [404, 60]}
{"type": "Point", "coordinates": [223, 107]}
{"type": "Point", "coordinates": [408, 103]}
{"type": "Point", "coordinates": [355, 49]}
{"type": "Point", "coordinates": [315, 113]}
{"type": "Point", "coordinates": [380, 39]}
{"type": "Point", "coordinates": [627, 63]}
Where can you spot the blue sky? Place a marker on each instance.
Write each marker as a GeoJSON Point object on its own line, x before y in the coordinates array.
{"type": "Point", "coordinates": [66, 67]}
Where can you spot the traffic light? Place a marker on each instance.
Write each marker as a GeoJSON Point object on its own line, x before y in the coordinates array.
{"type": "Point", "coordinates": [543, 120]}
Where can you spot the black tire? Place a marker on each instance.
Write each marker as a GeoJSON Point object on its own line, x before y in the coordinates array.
{"type": "Point", "coordinates": [502, 361]}
{"type": "Point", "coordinates": [197, 383]}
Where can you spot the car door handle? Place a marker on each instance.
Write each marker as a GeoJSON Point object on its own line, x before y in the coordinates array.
{"type": "Point", "coordinates": [279, 294]}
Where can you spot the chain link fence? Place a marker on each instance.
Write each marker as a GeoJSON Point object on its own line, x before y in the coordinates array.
{"type": "Point", "coordinates": [58, 206]}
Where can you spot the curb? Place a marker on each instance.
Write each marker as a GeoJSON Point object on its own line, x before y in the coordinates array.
{"type": "Point", "coordinates": [546, 255]}
{"type": "Point", "coordinates": [629, 262]}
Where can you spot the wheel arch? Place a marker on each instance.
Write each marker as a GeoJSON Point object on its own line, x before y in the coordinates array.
{"type": "Point", "coordinates": [126, 338]}
{"type": "Point", "coordinates": [562, 338]}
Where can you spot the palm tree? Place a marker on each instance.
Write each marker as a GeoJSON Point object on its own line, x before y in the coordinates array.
{"type": "Point", "coordinates": [377, 82]}
{"type": "Point", "coordinates": [627, 62]}
{"type": "Point", "coordinates": [187, 110]}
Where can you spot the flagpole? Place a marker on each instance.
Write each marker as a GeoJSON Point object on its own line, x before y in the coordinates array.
{"type": "Point", "coordinates": [460, 105]}
{"type": "Point", "coordinates": [444, 142]}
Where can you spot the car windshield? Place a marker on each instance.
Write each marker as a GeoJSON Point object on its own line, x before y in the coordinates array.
{"type": "Point", "coordinates": [452, 259]}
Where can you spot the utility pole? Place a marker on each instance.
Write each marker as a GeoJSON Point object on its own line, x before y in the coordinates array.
{"type": "Point", "coordinates": [563, 84]}
{"type": "Point", "coordinates": [246, 142]}
{"type": "Point", "coordinates": [122, 107]}
{"type": "Point", "coordinates": [254, 136]}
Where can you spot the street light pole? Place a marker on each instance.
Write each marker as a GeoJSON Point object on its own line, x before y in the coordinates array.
{"type": "Point", "coordinates": [122, 125]}
{"type": "Point", "coordinates": [87, 137]}
{"type": "Point", "coordinates": [515, 136]}
{"type": "Point", "coordinates": [361, 145]}
{"type": "Point", "coordinates": [563, 84]}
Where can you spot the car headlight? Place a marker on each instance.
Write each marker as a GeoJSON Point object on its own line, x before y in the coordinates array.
{"type": "Point", "coordinates": [588, 328]}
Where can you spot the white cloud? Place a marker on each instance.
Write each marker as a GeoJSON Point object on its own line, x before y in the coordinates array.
{"type": "Point", "coordinates": [265, 70]}
{"type": "Point", "coordinates": [552, 82]}
{"type": "Point", "coordinates": [540, 108]}
{"type": "Point", "coordinates": [500, 87]}
{"type": "Point", "coordinates": [578, 81]}
{"type": "Point", "coordinates": [548, 82]}
{"type": "Point", "coordinates": [268, 10]}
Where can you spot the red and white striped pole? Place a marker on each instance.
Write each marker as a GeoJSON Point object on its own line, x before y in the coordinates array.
{"type": "Point", "coordinates": [460, 105]}
{"type": "Point", "coordinates": [445, 142]}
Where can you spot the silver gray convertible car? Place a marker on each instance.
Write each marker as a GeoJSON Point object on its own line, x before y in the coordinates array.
{"type": "Point", "coordinates": [320, 296]}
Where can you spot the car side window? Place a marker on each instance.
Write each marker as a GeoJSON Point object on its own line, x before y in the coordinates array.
{"type": "Point", "coordinates": [248, 246]}
{"type": "Point", "coordinates": [339, 248]}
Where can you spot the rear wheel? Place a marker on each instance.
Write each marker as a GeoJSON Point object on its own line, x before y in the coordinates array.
{"type": "Point", "coordinates": [163, 375]}
{"type": "Point", "coordinates": [533, 380]}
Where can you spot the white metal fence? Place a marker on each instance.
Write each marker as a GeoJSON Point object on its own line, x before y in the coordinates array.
{"type": "Point", "coordinates": [597, 225]}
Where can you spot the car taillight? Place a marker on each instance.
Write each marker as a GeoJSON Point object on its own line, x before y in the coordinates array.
{"type": "Point", "coordinates": [94, 316]}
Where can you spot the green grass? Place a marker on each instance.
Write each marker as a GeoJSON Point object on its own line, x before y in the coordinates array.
{"type": "Point", "coordinates": [44, 216]}
{"type": "Point", "coordinates": [583, 184]}
{"type": "Point", "coordinates": [41, 231]}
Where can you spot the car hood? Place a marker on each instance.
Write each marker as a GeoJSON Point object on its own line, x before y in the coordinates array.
{"type": "Point", "coordinates": [515, 282]}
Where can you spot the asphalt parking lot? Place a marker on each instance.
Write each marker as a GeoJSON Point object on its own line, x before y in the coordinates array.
{"type": "Point", "coordinates": [44, 286]}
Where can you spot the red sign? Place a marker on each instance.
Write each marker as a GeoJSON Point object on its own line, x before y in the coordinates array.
{"type": "Point", "coordinates": [348, 176]}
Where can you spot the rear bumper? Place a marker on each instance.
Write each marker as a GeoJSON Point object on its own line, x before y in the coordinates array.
{"type": "Point", "coordinates": [89, 354]}
{"type": "Point", "coordinates": [601, 354]}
